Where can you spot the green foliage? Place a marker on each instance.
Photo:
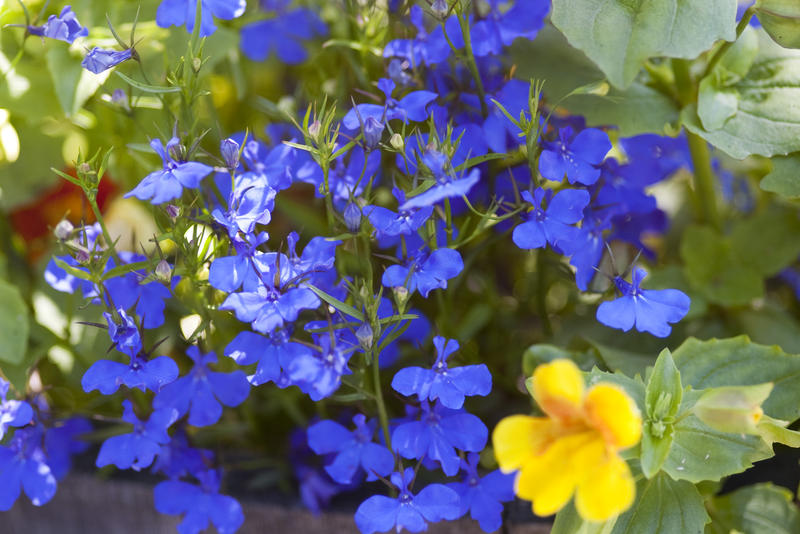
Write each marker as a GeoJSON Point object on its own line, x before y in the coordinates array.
{"type": "Point", "coordinates": [663, 395]}
{"type": "Point", "coordinates": [758, 509]}
{"type": "Point", "coordinates": [620, 35]}
{"type": "Point", "coordinates": [784, 179]}
{"type": "Point", "coordinates": [781, 20]}
{"type": "Point", "coordinates": [14, 324]}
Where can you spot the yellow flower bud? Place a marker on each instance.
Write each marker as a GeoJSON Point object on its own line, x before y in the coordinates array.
{"type": "Point", "coordinates": [733, 409]}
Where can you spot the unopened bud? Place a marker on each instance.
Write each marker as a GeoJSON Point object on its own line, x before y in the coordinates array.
{"type": "Point", "coordinates": [733, 409]}
{"type": "Point", "coordinates": [82, 256]}
{"type": "Point", "coordinates": [63, 230]}
{"type": "Point", "coordinates": [172, 211]}
{"type": "Point", "coordinates": [397, 142]}
{"type": "Point", "coordinates": [352, 216]}
{"type": "Point", "coordinates": [177, 151]}
{"type": "Point", "coordinates": [84, 168]}
{"type": "Point", "coordinates": [197, 63]}
{"type": "Point", "coordinates": [164, 271]}
{"type": "Point", "coordinates": [439, 8]}
{"type": "Point", "coordinates": [314, 129]}
{"type": "Point", "coordinates": [373, 130]}
{"type": "Point", "coordinates": [230, 153]}
{"type": "Point", "coordinates": [364, 336]}
{"type": "Point", "coordinates": [401, 294]}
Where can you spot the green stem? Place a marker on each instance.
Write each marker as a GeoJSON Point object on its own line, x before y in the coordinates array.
{"type": "Point", "coordinates": [541, 292]}
{"type": "Point", "coordinates": [743, 23]}
{"type": "Point", "coordinates": [382, 415]}
{"type": "Point", "coordinates": [469, 57]}
{"type": "Point", "coordinates": [107, 236]}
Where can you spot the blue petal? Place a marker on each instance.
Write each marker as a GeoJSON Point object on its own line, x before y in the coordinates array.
{"type": "Point", "coordinates": [529, 235]}
{"type": "Point", "coordinates": [230, 388]}
{"type": "Point", "coordinates": [103, 375]}
{"type": "Point", "coordinates": [376, 459]}
{"type": "Point", "coordinates": [619, 313]}
{"type": "Point", "coordinates": [38, 482]}
{"type": "Point", "coordinates": [413, 381]}
{"type": "Point", "coordinates": [328, 436]}
{"type": "Point", "coordinates": [437, 502]}
{"type": "Point", "coordinates": [377, 514]}
{"type": "Point", "coordinates": [567, 206]}
{"type": "Point", "coordinates": [465, 431]}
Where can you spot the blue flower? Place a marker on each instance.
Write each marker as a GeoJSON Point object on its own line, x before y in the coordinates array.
{"type": "Point", "coordinates": [425, 273]}
{"type": "Point", "coordinates": [586, 249]}
{"type": "Point", "coordinates": [12, 412]}
{"type": "Point", "coordinates": [650, 310]}
{"type": "Point", "coordinates": [319, 373]}
{"type": "Point", "coordinates": [482, 497]}
{"type": "Point", "coordinates": [23, 466]}
{"type": "Point", "coordinates": [250, 203]}
{"type": "Point", "coordinates": [425, 49]}
{"type": "Point", "coordinates": [577, 157]}
{"type": "Point", "coordinates": [107, 375]}
{"type": "Point", "coordinates": [554, 224]}
{"type": "Point", "coordinates": [524, 19]}
{"type": "Point", "coordinates": [652, 158]}
{"type": "Point", "coordinates": [177, 458]}
{"type": "Point", "coordinates": [437, 434]}
{"type": "Point", "coordinates": [448, 384]}
{"type": "Point", "coordinates": [447, 184]}
{"type": "Point", "coordinates": [64, 27]}
{"type": "Point", "coordinates": [124, 333]}
{"type": "Point", "coordinates": [61, 441]}
{"type": "Point", "coordinates": [283, 36]}
{"type": "Point", "coordinates": [99, 59]}
{"type": "Point", "coordinates": [500, 132]}
{"type": "Point", "coordinates": [413, 106]}
{"type": "Point", "coordinates": [353, 449]}
{"type": "Point", "coordinates": [434, 503]}
{"type": "Point", "coordinates": [201, 504]}
{"type": "Point", "coordinates": [168, 183]}
{"type": "Point", "coordinates": [137, 449]}
{"type": "Point", "coordinates": [248, 348]}
{"type": "Point", "coordinates": [201, 391]}
{"type": "Point", "coordinates": [183, 12]}
{"type": "Point", "coordinates": [388, 223]}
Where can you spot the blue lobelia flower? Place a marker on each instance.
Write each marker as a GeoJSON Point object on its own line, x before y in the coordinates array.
{"type": "Point", "coordinates": [133, 289]}
{"type": "Point", "coordinates": [62, 441]}
{"type": "Point", "coordinates": [501, 133]}
{"type": "Point", "coordinates": [552, 224]}
{"type": "Point", "coordinates": [448, 384]}
{"type": "Point", "coordinates": [434, 503]}
{"type": "Point", "coordinates": [650, 310]}
{"type": "Point", "coordinates": [425, 272]}
{"type": "Point", "coordinates": [137, 449]}
{"type": "Point", "coordinates": [319, 372]}
{"type": "Point", "coordinates": [447, 184]}
{"type": "Point", "coordinates": [177, 459]}
{"type": "Point", "coordinates": [437, 434]}
{"type": "Point", "coordinates": [107, 376]}
{"type": "Point", "coordinates": [23, 466]}
{"type": "Point", "coordinates": [388, 223]}
{"type": "Point", "coordinates": [501, 26]}
{"type": "Point", "coordinates": [577, 157]}
{"type": "Point", "coordinates": [250, 202]}
{"type": "Point", "coordinates": [482, 497]}
{"type": "Point", "coordinates": [283, 36]}
{"type": "Point", "coordinates": [202, 504]}
{"type": "Point", "coordinates": [100, 59]}
{"type": "Point", "coordinates": [123, 332]}
{"type": "Point", "coordinates": [64, 27]}
{"type": "Point", "coordinates": [413, 106]}
{"type": "Point", "coordinates": [183, 12]}
{"type": "Point", "coordinates": [424, 49]}
{"type": "Point", "coordinates": [586, 248]}
{"type": "Point", "coordinates": [201, 391]}
{"type": "Point", "coordinates": [12, 412]}
{"type": "Point", "coordinates": [168, 183]}
{"type": "Point", "coordinates": [248, 348]}
{"type": "Point", "coordinates": [353, 449]}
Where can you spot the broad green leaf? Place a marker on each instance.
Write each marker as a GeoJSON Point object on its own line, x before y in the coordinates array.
{"type": "Point", "coordinates": [569, 522]}
{"type": "Point", "coordinates": [784, 179]}
{"type": "Point", "coordinates": [536, 355]}
{"type": "Point", "coordinates": [757, 509]}
{"type": "Point", "coordinates": [635, 110]}
{"type": "Point", "coordinates": [664, 506]}
{"type": "Point", "coordinates": [739, 362]}
{"type": "Point", "coordinates": [620, 35]}
{"type": "Point", "coordinates": [654, 449]}
{"type": "Point", "coordinates": [715, 270]}
{"type": "Point", "coordinates": [14, 324]}
{"type": "Point", "coordinates": [626, 361]}
{"type": "Point", "coordinates": [767, 117]}
{"type": "Point", "coordinates": [73, 84]}
{"type": "Point", "coordinates": [781, 19]}
{"type": "Point", "coordinates": [699, 452]}
{"type": "Point", "coordinates": [767, 241]}
{"type": "Point", "coordinates": [771, 324]}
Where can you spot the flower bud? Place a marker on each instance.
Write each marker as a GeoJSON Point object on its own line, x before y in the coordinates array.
{"type": "Point", "coordinates": [120, 98]}
{"type": "Point", "coordinates": [373, 130]}
{"type": "Point", "coordinates": [439, 8]}
{"type": "Point", "coordinates": [63, 230]}
{"type": "Point", "coordinates": [352, 216]}
{"type": "Point", "coordinates": [781, 20]}
{"type": "Point", "coordinates": [177, 151]}
{"type": "Point", "coordinates": [172, 211]}
{"type": "Point", "coordinates": [733, 409]}
{"type": "Point", "coordinates": [401, 294]}
{"type": "Point", "coordinates": [197, 63]}
{"type": "Point", "coordinates": [314, 129]}
{"type": "Point", "coordinates": [397, 142]}
{"type": "Point", "coordinates": [84, 168]}
{"type": "Point", "coordinates": [230, 153]}
{"type": "Point", "coordinates": [82, 256]}
{"type": "Point", "coordinates": [164, 271]}
{"type": "Point", "coordinates": [364, 336]}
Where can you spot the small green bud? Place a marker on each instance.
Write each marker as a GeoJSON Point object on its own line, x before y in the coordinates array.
{"type": "Point", "coordinates": [733, 409]}
{"type": "Point", "coordinates": [397, 142]}
{"type": "Point", "coordinates": [781, 20]}
{"type": "Point", "coordinates": [163, 271]}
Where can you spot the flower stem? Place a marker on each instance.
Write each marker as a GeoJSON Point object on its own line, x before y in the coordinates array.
{"type": "Point", "coordinates": [382, 415]}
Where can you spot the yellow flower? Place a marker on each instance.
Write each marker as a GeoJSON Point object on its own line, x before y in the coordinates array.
{"type": "Point", "coordinates": [574, 450]}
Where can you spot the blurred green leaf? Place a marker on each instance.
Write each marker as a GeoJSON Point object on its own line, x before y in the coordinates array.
{"type": "Point", "coordinates": [14, 324]}
{"type": "Point", "coordinates": [784, 179]}
{"type": "Point", "coordinates": [757, 509]}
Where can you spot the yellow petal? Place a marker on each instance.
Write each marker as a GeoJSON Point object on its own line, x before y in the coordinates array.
{"type": "Point", "coordinates": [605, 491]}
{"type": "Point", "coordinates": [558, 389]}
{"type": "Point", "coordinates": [517, 438]}
{"type": "Point", "coordinates": [614, 414]}
{"type": "Point", "coordinates": [549, 479]}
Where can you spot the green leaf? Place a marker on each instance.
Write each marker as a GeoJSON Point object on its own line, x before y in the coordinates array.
{"type": "Point", "coordinates": [147, 88]}
{"type": "Point", "coordinates": [756, 509]}
{"type": "Point", "coordinates": [699, 452]}
{"type": "Point", "coordinates": [569, 522]}
{"type": "Point", "coordinates": [664, 391]}
{"type": "Point", "coordinates": [633, 387]}
{"type": "Point", "coordinates": [739, 362]}
{"type": "Point", "coordinates": [775, 431]}
{"type": "Point", "coordinates": [635, 110]}
{"type": "Point", "coordinates": [619, 359]}
{"type": "Point", "coordinates": [14, 324]}
{"type": "Point", "coordinates": [784, 179]}
{"type": "Point", "coordinates": [781, 19]}
{"type": "Point", "coordinates": [766, 120]}
{"type": "Point", "coordinates": [71, 269]}
{"type": "Point", "coordinates": [538, 354]}
{"type": "Point", "coordinates": [620, 35]}
{"type": "Point", "coordinates": [655, 447]}
{"type": "Point", "coordinates": [767, 241]}
{"type": "Point", "coordinates": [715, 270]}
{"type": "Point", "coordinates": [338, 304]}
{"type": "Point", "coordinates": [664, 506]}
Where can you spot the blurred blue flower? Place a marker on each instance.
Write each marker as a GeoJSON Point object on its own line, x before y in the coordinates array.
{"type": "Point", "coordinates": [447, 184]}
{"type": "Point", "coordinates": [107, 375]}
{"type": "Point", "coordinates": [413, 106]}
{"type": "Point", "coordinates": [183, 13]}
{"type": "Point", "coordinates": [23, 466]}
{"type": "Point", "coordinates": [482, 497]}
{"type": "Point", "coordinates": [201, 504]}
{"type": "Point", "coordinates": [283, 36]}
{"type": "Point", "coordinates": [318, 373]}
{"type": "Point", "coordinates": [100, 59]}
{"type": "Point", "coordinates": [650, 310]}
{"type": "Point", "coordinates": [448, 384]}
{"type": "Point", "coordinates": [168, 183]}
{"type": "Point", "coordinates": [137, 449]}
{"type": "Point", "coordinates": [388, 223]}
{"type": "Point", "coordinates": [248, 348]}
{"type": "Point", "coordinates": [12, 412]}
{"type": "Point", "coordinates": [201, 391]}
{"type": "Point", "coordinates": [576, 157]}
{"type": "Point", "coordinates": [64, 27]}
